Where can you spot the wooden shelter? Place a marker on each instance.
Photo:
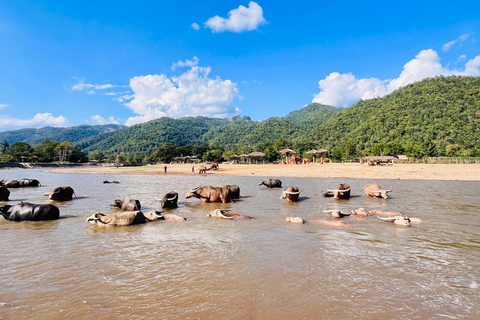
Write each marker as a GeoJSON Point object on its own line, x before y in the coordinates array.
{"type": "Point", "coordinates": [287, 153]}
{"type": "Point", "coordinates": [379, 160]}
{"type": "Point", "coordinates": [256, 155]}
{"type": "Point", "coordinates": [321, 152]}
{"type": "Point", "coordinates": [244, 157]}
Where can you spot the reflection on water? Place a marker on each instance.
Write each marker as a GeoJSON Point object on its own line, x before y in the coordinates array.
{"type": "Point", "coordinates": [208, 268]}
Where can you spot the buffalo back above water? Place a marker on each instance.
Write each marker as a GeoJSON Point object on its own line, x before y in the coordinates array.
{"type": "Point", "coordinates": [62, 193]}
{"type": "Point", "coordinates": [29, 211]}
{"type": "Point", "coordinates": [4, 193]}
{"type": "Point", "coordinates": [271, 183]}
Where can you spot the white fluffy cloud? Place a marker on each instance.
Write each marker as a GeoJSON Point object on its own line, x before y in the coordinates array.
{"type": "Point", "coordinates": [447, 46]}
{"type": "Point", "coordinates": [40, 120]}
{"type": "Point", "coordinates": [239, 20]}
{"type": "Point", "coordinates": [192, 93]}
{"type": "Point", "coordinates": [101, 120]}
{"type": "Point", "coordinates": [344, 89]}
{"type": "Point", "coordinates": [3, 106]}
{"type": "Point", "coordinates": [195, 26]}
{"type": "Point", "coordinates": [186, 63]}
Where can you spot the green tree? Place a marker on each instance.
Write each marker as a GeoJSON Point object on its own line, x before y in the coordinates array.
{"type": "Point", "coordinates": [20, 150]}
{"type": "Point", "coordinates": [67, 151]}
{"type": "Point", "coordinates": [46, 151]}
{"type": "Point", "coordinates": [165, 153]}
{"type": "Point", "coordinates": [95, 155]}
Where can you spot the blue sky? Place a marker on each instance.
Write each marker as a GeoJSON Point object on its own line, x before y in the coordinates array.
{"type": "Point", "coordinates": [65, 63]}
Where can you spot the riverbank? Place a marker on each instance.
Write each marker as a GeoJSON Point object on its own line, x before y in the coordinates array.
{"type": "Point", "coordinates": [467, 172]}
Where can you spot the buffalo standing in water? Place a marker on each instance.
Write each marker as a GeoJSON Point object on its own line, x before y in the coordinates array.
{"type": "Point", "coordinates": [29, 211]}
{"type": "Point", "coordinates": [61, 194]}
{"type": "Point", "coordinates": [271, 183]}
{"type": "Point", "coordinates": [29, 183]}
{"type": "Point", "coordinates": [342, 192]}
{"type": "Point", "coordinates": [10, 183]}
{"type": "Point", "coordinates": [211, 194]}
{"type": "Point", "coordinates": [374, 190]}
{"type": "Point", "coordinates": [291, 194]}
{"type": "Point", "coordinates": [127, 204]}
{"type": "Point", "coordinates": [169, 200]}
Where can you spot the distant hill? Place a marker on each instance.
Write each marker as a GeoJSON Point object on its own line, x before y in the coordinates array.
{"type": "Point", "coordinates": [421, 119]}
{"type": "Point", "coordinates": [146, 137]}
{"type": "Point", "coordinates": [60, 134]}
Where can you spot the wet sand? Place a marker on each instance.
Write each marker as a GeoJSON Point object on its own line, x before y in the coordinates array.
{"type": "Point", "coordinates": [467, 172]}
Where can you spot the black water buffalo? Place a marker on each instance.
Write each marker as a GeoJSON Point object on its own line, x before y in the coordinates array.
{"type": "Point", "coordinates": [271, 183]}
{"type": "Point", "coordinates": [114, 181]}
{"type": "Point", "coordinates": [341, 192]}
{"type": "Point", "coordinates": [29, 183]}
{"type": "Point", "coordinates": [29, 211]}
{"type": "Point", "coordinates": [10, 183]}
{"type": "Point", "coordinates": [4, 193]}
{"type": "Point", "coordinates": [169, 200]}
{"type": "Point", "coordinates": [127, 204]}
{"type": "Point", "coordinates": [61, 194]}
{"type": "Point", "coordinates": [210, 194]}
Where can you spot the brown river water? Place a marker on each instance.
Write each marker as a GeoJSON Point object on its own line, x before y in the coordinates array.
{"type": "Point", "coordinates": [210, 268]}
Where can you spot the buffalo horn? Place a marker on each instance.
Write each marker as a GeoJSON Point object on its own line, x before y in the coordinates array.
{"type": "Point", "coordinates": [158, 199]}
{"type": "Point", "coordinates": [220, 213]}
{"type": "Point", "coordinates": [195, 189]}
{"type": "Point", "coordinates": [171, 199]}
{"type": "Point", "coordinates": [291, 192]}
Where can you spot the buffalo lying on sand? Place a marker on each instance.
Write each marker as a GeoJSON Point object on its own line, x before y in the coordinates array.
{"type": "Point", "coordinates": [29, 211]}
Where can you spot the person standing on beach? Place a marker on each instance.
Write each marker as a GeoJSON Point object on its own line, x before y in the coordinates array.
{"type": "Point", "coordinates": [165, 169]}
{"type": "Point", "coordinates": [193, 169]}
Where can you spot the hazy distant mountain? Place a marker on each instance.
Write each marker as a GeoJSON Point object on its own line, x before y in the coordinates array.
{"type": "Point", "coordinates": [60, 134]}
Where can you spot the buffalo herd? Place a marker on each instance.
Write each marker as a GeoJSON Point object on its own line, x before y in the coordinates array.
{"type": "Point", "coordinates": [130, 208]}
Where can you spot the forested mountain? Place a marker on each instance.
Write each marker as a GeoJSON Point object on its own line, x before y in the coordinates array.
{"type": "Point", "coordinates": [146, 137]}
{"type": "Point", "coordinates": [227, 133]}
{"type": "Point", "coordinates": [436, 116]}
{"type": "Point", "coordinates": [60, 134]}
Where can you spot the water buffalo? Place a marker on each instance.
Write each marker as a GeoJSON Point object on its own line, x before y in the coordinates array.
{"type": "Point", "coordinates": [401, 220]}
{"type": "Point", "coordinates": [234, 191]}
{"type": "Point", "coordinates": [337, 213]}
{"type": "Point", "coordinates": [61, 194]}
{"type": "Point", "coordinates": [114, 181]}
{"type": "Point", "coordinates": [291, 194]}
{"type": "Point", "coordinates": [214, 166]}
{"type": "Point", "coordinates": [374, 190]}
{"type": "Point", "coordinates": [375, 212]}
{"type": "Point", "coordinates": [218, 213]}
{"type": "Point", "coordinates": [295, 220]}
{"type": "Point", "coordinates": [202, 170]}
{"type": "Point", "coordinates": [296, 159]}
{"type": "Point", "coordinates": [127, 204]}
{"type": "Point", "coordinates": [169, 200]}
{"type": "Point", "coordinates": [4, 193]}
{"type": "Point", "coordinates": [124, 218]}
{"type": "Point", "coordinates": [341, 192]}
{"type": "Point", "coordinates": [29, 183]}
{"type": "Point", "coordinates": [210, 194]}
{"type": "Point", "coordinates": [271, 183]}
{"type": "Point", "coordinates": [317, 221]}
{"type": "Point", "coordinates": [10, 183]}
{"type": "Point", "coordinates": [29, 211]}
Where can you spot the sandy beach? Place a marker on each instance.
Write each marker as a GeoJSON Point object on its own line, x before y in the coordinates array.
{"type": "Point", "coordinates": [468, 172]}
